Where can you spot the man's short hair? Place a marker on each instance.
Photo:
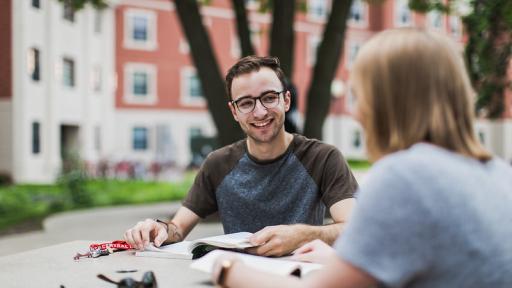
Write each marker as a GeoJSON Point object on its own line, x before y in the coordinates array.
{"type": "Point", "coordinates": [253, 63]}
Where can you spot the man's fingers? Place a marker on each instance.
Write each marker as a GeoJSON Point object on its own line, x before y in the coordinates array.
{"type": "Point", "coordinates": [273, 247]}
{"type": "Point", "coordinates": [128, 237]}
{"type": "Point", "coordinates": [262, 236]}
{"type": "Point", "coordinates": [137, 239]}
{"type": "Point", "coordinates": [161, 236]}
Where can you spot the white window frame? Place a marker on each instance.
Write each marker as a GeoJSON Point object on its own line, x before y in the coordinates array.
{"type": "Point", "coordinates": [96, 78]}
{"type": "Point", "coordinates": [185, 98]}
{"type": "Point", "coordinates": [151, 41]}
{"type": "Point", "coordinates": [313, 42]}
{"type": "Point", "coordinates": [315, 17]}
{"type": "Point", "coordinates": [98, 21]}
{"type": "Point", "coordinates": [363, 22]}
{"type": "Point", "coordinates": [252, 4]}
{"type": "Point", "coordinates": [398, 4]}
{"type": "Point", "coordinates": [148, 139]}
{"type": "Point", "coordinates": [255, 34]}
{"type": "Point", "coordinates": [457, 35]}
{"type": "Point", "coordinates": [74, 72]}
{"type": "Point", "coordinates": [234, 48]}
{"type": "Point", "coordinates": [151, 71]}
{"type": "Point", "coordinates": [430, 20]}
{"type": "Point", "coordinates": [183, 46]}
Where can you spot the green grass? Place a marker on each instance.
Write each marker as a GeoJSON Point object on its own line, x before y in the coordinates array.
{"type": "Point", "coordinates": [19, 203]}
{"type": "Point", "coordinates": [359, 164]}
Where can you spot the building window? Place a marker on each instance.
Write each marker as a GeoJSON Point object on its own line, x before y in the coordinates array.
{"type": "Point", "coordinates": [140, 83]}
{"type": "Point", "coordinates": [68, 12]}
{"type": "Point", "coordinates": [36, 138]}
{"type": "Point", "coordinates": [356, 139]}
{"type": "Point", "coordinates": [352, 53]}
{"type": "Point", "coordinates": [36, 4]}
{"type": "Point", "coordinates": [34, 64]}
{"type": "Point", "coordinates": [318, 9]}
{"type": "Point", "coordinates": [252, 4]}
{"type": "Point", "coordinates": [97, 138]}
{"type": "Point", "coordinates": [358, 12]}
{"type": "Point", "coordinates": [140, 29]}
{"type": "Point", "coordinates": [455, 27]}
{"type": "Point", "coordinates": [98, 21]}
{"type": "Point", "coordinates": [191, 92]}
{"type": "Point", "coordinates": [312, 47]}
{"type": "Point", "coordinates": [96, 78]}
{"type": "Point", "coordinates": [435, 19]}
{"type": "Point", "coordinates": [140, 138]}
{"type": "Point", "coordinates": [481, 137]}
{"type": "Point", "coordinates": [68, 72]}
{"type": "Point", "coordinates": [403, 15]}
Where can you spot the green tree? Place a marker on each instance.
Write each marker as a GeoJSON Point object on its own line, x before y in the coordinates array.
{"type": "Point", "coordinates": [488, 25]}
{"type": "Point", "coordinates": [282, 46]}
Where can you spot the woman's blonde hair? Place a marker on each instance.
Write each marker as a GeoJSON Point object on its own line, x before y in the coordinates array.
{"type": "Point", "coordinates": [411, 86]}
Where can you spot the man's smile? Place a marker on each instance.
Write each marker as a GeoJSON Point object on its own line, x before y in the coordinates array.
{"type": "Point", "coordinates": [262, 124]}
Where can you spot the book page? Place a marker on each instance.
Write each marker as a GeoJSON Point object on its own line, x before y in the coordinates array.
{"type": "Point", "coordinates": [177, 250]}
{"type": "Point", "coordinates": [238, 240]}
{"type": "Point", "coordinates": [270, 265]}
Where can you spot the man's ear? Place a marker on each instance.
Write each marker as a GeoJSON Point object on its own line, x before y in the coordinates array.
{"type": "Point", "coordinates": [287, 101]}
{"type": "Point", "coordinates": [233, 111]}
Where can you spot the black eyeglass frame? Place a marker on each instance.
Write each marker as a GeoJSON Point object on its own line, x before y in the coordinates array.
{"type": "Point", "coordinates": [258, 98]}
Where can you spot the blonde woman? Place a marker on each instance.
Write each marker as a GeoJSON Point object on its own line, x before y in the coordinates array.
{"type": "Point", "coordinates": [436, 208]}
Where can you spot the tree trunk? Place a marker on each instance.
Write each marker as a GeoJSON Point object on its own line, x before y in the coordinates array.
{"type": "Point", "coordinates": [212, 82]}
{"type": "Point", "coordinates": [242, 27]}
{"type": "Point", "coordinates": [327, 59]}
{"type": "Point", "coordinates": [282, 37]}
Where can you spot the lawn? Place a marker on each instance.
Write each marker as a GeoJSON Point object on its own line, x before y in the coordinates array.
{"type": "Point", "coordinates": [22, 203]}
{"type": "Point", "coordinates": [31, 203]}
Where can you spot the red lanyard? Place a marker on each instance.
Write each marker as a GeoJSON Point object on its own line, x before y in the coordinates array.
{"type": "Point", "coordinates": [97, 250]}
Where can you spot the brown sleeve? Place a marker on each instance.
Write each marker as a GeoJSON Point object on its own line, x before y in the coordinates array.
{"type": "Point", "coordinates": [337, 182]}
{"type": "Point", "coordinates": [328, 168]}
{"type": "Point", "coordinates": [201, 197]}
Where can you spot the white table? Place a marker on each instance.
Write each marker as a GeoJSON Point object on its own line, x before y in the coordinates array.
{"type": "Point", "coordinates": [54, 266]}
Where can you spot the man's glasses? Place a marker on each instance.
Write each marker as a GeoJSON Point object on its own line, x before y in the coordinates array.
{"type": "Point", "coordinates": [269, 99]}
{"type": "Point", "coordinates": [148, 281]}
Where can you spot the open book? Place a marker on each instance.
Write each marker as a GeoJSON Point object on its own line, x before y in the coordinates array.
{"type": "Point", "coordinates": [197, 248]}
{"type": "Point", "coordinates": [279, 266]}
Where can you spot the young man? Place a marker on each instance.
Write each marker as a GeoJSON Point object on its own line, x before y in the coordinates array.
{"type": "Point", "coordinates": [272, 183]}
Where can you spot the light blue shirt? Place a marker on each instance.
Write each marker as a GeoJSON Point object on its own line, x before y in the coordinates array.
{"type": "Point", "coordinates": [428, 217]}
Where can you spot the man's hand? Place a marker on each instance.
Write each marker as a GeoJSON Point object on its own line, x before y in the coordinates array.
{"type": "Point", "coordinates": [277, 240]}
{"type": "Point", "coordinates": [316, 251]}
{"type": "Point", "coordinates": [144, 232]}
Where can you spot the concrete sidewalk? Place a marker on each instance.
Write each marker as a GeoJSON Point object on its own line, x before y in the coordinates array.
{"type": "Point", "coordinates": [96, 224]}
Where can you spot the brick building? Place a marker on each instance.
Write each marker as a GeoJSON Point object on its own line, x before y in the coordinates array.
{"type": "Point", "coordinates": [120, 85]}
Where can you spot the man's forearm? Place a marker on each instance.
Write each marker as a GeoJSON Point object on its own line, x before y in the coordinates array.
{"type": "Point", "coordinates": [327, 233]}
{"type": "Point", "coordinates": [174, 233]}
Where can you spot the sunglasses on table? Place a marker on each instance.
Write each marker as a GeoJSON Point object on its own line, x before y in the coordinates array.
{"type": "Point", "coordinates": [148, 281]}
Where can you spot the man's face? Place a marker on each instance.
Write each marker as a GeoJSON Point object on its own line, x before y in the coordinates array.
{"type": "Point", "coordinates": [262, 124]}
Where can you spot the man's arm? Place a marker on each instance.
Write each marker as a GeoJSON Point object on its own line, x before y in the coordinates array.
{"type": "Point", "coordinates": [181, 224]}
{"type": "Point", "coordinates": [149, 230]}
{"type": "Point", "coordinates": [283, 239]}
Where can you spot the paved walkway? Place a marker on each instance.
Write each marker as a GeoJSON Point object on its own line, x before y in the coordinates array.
{"type": "Point", "coordinates": [101, 224]}
{"type": "Point", "coordinates": [97, 224]}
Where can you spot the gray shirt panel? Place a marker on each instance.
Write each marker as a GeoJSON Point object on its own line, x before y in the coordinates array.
{"type": "Point", "coordinates": [253, 196]}
{"type": "Point", "coordinates": [427, 217]}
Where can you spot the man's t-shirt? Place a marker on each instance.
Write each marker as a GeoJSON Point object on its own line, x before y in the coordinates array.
{"type": "Point", "coordinates": [428, 217]}
{"type": "Point", "coordinates": [249, 194]}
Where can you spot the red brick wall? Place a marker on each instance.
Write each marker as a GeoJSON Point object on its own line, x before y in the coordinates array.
{"type": "Point", "coordinates": [5, 49]}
